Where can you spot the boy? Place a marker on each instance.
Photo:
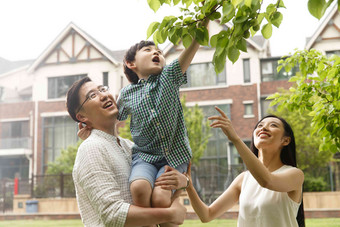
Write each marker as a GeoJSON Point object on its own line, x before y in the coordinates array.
{"type": "Point", "coordinates": [157, 122]}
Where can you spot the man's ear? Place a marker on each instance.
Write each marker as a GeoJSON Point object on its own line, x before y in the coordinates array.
{"type": "Point", "coordinates": [130, 65]}
{"type": "Point", "coordinates": [81, 117]}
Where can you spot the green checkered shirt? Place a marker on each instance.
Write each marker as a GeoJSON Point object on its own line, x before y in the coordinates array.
{"type": "Point", "coordinates": [157, 122]}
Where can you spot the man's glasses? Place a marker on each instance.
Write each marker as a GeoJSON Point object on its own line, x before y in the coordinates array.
{"type": "Point", "coordinates": [93, 94]}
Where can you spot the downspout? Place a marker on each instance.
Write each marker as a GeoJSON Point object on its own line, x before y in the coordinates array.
{"type": "Point", "coordinates": [29, 156]}
{"type": "Point", "coordinates": [36, 116]}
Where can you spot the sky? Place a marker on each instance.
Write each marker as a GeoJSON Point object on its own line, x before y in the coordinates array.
{"type": "Point", "coordinates": [28, 27]}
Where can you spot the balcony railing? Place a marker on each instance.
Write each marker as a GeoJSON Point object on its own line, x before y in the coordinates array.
{"type": "Point", "coordinates": [12, 143]}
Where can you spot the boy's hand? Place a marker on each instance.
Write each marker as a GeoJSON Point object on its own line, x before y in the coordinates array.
{"type": "Point", "coordinates": [171, 179]}
{"type": "Point", "coordinates": [83, 132]}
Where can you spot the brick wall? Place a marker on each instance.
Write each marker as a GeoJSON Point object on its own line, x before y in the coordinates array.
{"type": "Point", "coordinates": [238, 94]}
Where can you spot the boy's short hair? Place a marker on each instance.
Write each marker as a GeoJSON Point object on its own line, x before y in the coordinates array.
{"type": "Point", "coordinates": [130, 57]}
{"type": "Point", "coordinates": [72, 97]}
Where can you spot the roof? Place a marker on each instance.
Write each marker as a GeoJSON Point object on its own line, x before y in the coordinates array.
{"type": "Point", "coordinates": [7, 66]}
{"type": "Point", "coordinates": [118, 55]}
{"type": "Point", "coordinates": [311, 41]}
{"type": "Point", "coordinates": [105, 51]}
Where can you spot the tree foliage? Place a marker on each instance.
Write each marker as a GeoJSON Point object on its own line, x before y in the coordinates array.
{"type": "Point", "coordinates": [65, 162]}
{"type": "Point", "coordinates": [242, 17]}
{"type": "Point", "coordinates": [198, 130]}
{"type": "Point", "coordinates": [313, 163]}
{"type": "Point", "coordinates": [245, 16]}
{"type": "Point", "coordinates": [309, 159]}
{"type": "Point", "coordinates": [316, 90]}
{"type": "Point", "coordinates": [318, 7]}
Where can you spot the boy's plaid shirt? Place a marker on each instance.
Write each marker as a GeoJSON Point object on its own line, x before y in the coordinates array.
{"type": "Point", "coordinates": [157, 122]}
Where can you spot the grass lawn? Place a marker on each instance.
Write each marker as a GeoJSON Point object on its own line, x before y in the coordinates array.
{"type": "Point", "coordinates": [321, 222]}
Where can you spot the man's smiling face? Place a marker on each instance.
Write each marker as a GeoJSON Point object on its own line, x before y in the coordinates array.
{"type": "Point", "coordinates": [99, 109]}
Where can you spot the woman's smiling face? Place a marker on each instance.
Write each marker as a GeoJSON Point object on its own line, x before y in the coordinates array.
{"type": "Point", "coordinates": [269, 132]}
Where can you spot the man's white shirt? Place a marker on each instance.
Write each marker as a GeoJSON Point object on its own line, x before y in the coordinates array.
{"type": "Point", "coordinates": [101, 172]}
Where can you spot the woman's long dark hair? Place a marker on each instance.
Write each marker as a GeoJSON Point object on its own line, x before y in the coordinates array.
{"type": "Point", "coordinates": [288, 157]}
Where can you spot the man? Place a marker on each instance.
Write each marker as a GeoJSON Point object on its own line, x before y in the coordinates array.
{"type": "Point", "coordinates": [103, 163]}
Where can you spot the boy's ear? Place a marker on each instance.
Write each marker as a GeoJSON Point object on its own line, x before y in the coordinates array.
{"type": "Point", "coordinates": [130, 65]}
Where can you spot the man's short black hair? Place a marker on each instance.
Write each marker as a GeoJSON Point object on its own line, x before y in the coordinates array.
{"type": "Point", "coordinates": [72, 97]}
{"type": "Point", "coordinates": [130, 57]}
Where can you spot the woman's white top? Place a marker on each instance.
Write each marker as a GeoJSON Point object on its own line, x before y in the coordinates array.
{"type": "Point", "coordinates": [262, 207]}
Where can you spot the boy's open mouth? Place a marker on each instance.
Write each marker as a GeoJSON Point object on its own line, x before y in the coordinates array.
{"type": "Point", "coordinates": [155, 59]}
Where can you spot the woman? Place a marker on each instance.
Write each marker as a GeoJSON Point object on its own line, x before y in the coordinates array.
{"type": "Point", "coordinates": [270, 192]}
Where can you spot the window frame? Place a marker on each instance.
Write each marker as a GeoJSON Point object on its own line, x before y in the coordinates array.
{"type": "Point", "coordinates": [53, 84]}
{"type": "Point", "coordinates": [246, 68]}
{"type": "Point", "coordinates": [220, 79]}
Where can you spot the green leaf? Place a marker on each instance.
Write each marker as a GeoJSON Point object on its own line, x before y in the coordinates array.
{"type": "Point", "coordinates": [282, 5]}
{"type": "Point", "coordinates": [260, 17]}
{"type": "Point", "coordinates": [248, 3]}
{"type": "Point", "coordinates": [228, 8]}
{"type": "Point", "coordinates": [187, 2]}
{"type": "Point", "coordinates": [267, 31]}
{"type": "Point", "coordinates": [155, 37]}
{"type": "Point", "coordinates": [152, 28]}
{"type": "Point", "coordinates": [176, 2]}
{"type": "Point", "coordinates": [186, 40]}
{"type": "Point", "coordinates": [174, 35]}
{"type": "Point", "coordinates": [240, 19]}
{"type": "Point", "coordinates": [187, 20]}
{"type": "Point", "coordinates": [164, 35]}
{"type": "Point", "coordinates": [154, 4]}
{"type": "Point", "coordinates": [233, 54]}
{"type": "Point", "coordinates": [213, 40]}
{"type": "Point", "coordinates": [220, 60]}
{"type": "Point", "coordinates": [242, 45]}
{"type": "Point", "coordinates": [317, 8]}
{"type": "Point", "coordinates": [236, 2]}
{"type": "Point", "coordinates": [277, 19]}
{"type": "Point", "coordinates": [202, 36]}
{"type": "Point", "coordinates": [270, 9]}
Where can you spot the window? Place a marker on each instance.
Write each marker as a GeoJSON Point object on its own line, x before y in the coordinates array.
{"type": "Point", "coordinates": [236, 164]}
{"type": "Point", "coordinates": [58, 86]}
{"type": "Point", "coordinates": [248, 109]}
{"type": "Point", "coordinates": [212, 172]}
{"type": "Point", "coordinates": [1, 93]}
{"type": "Point", "coordinates": [15, 134]}
{"type": "Point", "coordinates": [246, 71]}
{"type": "Point", "coordinates": [265, 106]}
{"type": "Point", "coordinates": [58, 134]}
{"type": "Point", "coordinates": [11, 167]}
{"type": "Point", "coordinates": [269, 71]}
{"type": "Point", "coordinates": [330, 53]}
{"type": "Point", "coordinates": [203, 74]}
{"type": "Point", "coordinates": [105, 78]}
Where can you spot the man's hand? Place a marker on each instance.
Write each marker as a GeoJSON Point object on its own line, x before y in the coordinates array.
{"type": "Point", "coordinates": [178, 212]}
{"type": "Point", "coordinates": [171, 179]}
{"type": "Point", "coordinates": [83, 132]}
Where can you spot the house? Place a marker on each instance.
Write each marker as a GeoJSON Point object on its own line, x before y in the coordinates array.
{"type": "Point", "coordinates": [34, 123]}
{"type": "Point", "coordinates": [35, 126]}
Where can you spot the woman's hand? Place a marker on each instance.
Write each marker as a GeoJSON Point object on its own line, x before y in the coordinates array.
{"type": "Point", "coordinates": [172, 179]}
{"type": "Point", "coordinates": [83, 132]}
{"type": "Point", "coordinates": [224, 123]}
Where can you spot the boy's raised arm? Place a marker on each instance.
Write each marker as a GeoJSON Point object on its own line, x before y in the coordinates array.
{"type": "Point", "coordinates": [188, 54]}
